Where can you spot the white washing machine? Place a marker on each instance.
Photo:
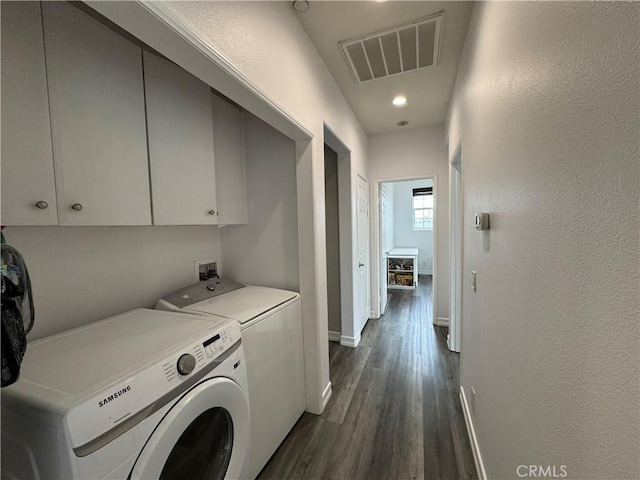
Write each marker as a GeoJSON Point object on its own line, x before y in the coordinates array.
{"type": "Point", "coordinates": [143, 395]}
{"type": "Point", "coordinates": [271, 325]}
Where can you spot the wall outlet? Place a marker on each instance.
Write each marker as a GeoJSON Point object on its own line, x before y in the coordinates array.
{"type": "Point", "coordinates": [206, 269]}
{"type": "Point", "coordinates": [472, 401]}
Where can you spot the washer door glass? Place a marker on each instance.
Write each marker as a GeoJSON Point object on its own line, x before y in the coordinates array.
{"type": "Point", "coordinates": [204, 449]}
{"type": "Point", "coordinates": [203, 436]}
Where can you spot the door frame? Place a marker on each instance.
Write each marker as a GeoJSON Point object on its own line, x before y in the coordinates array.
{"type": "Point", "coordinates": [367, 230]}
{"type": "Point", "coordinates": [347, 225]}
{"type": "Point", "coordinates": [376, 240]}
{"type": "Point", "coordinates": [383, 297]}
{"type": "Point", "coordinates": [456, 231]}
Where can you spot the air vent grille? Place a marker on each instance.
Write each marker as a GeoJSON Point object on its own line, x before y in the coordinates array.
{"type": "Point", "coordinates": [394, 51]}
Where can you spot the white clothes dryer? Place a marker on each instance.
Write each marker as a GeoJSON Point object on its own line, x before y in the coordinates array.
{"type": "Point", "coordinates": [271, 325]}
{"type": "Point", "coordinates": [143, 395]}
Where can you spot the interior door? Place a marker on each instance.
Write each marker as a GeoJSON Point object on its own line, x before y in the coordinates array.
{"type": "Point", "coordinates": [384, 246]}
{"type": "Point", "coordinates": [363, 252]}
{"type": "Point", "coordinates": [204, 435]}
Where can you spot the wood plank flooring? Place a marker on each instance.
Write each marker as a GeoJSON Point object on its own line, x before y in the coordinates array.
{"type": "Point", "coordinates": [395, 411]}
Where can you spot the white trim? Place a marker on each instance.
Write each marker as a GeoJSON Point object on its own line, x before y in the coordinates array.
{"type": "Point", "coordinates": [475, 447]}
{"type": "Point", "coordinates": [456, 234]}
{"type": "Point", "coordinates": [442, 322]}
{"type": "Point", "coordinates": [181, 28]}
{"type": "Point", "coordinates": [350, 341]}
{"type": "Point", "coordinates": [326, 395]}
{"type": "Point", "coordinates": [334, 336]}
{"type": "Point", "coordinates": [425, 272]}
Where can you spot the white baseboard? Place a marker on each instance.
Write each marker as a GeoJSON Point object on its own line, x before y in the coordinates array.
{"type": "Point", "coordinates": [326, 395]}
{"type": "Point", "coordinates": [442, 322]}
{"type": "Point", "coordinates": [475, 448]}
{"type": "Point", "coordinates": [334, 336]}
{"type": "Point", "coordinates": [350, 341]}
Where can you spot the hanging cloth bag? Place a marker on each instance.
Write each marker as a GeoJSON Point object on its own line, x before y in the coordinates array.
{"type": "Point", "coordinates": [17, 311]}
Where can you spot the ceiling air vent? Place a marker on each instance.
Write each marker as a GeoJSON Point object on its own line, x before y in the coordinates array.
{"type": "Point", "coordinates": [398, 50]}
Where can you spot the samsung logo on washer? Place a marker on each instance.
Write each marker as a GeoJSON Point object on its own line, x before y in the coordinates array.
{"type": "Point", "coordinates": [114, 395]}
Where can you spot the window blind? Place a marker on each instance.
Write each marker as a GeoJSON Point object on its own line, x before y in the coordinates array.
{"type": "Point", "coordinates": [417, 192]}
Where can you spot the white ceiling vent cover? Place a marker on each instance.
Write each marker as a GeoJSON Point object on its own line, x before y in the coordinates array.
{"type": "Point", "coordinates": [398, 50]}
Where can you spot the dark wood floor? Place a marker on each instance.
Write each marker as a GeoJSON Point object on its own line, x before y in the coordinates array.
{"type": "Point", "coordinates": [395, 411]}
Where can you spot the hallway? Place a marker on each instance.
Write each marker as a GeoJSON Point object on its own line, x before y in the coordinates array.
{"type": "Point", "coordinates": [395, 411]}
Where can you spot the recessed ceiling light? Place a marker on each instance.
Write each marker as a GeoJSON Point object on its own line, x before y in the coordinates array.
{"type": "Point", "coordinates": [402, 123]}
{"type": "Point", "coordinates": [301, 5]}
{"type": "Point", "coordinates": [400, 101]}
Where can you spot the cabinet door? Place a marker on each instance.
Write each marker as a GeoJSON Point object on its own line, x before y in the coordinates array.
{"type": "Point", "coordinates": [180, 145]}
{"type": "Point", "coordinates": [228, 140]}
{"type": "Point", "coordinates": [97, 114]}
{"type": "Point", "coordinates": [27, 156]}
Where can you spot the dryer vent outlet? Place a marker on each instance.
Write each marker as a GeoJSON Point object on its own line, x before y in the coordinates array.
{"type": "Point", "coordinates": [206, 269]}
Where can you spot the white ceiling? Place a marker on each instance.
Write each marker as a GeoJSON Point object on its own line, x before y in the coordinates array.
{"type": "Point", "coordinates": [428, 90]}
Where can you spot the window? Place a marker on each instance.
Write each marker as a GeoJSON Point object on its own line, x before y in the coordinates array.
{"type": "Point", "coordinates": [423, 208]}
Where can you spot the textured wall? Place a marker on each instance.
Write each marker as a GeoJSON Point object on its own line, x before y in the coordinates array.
{"type": "Point", "coordinates": [83, 274]}
{"type": "Point", "coordinates": [547, 101]}
{"type": "Point", "coordinates": [423, 153]}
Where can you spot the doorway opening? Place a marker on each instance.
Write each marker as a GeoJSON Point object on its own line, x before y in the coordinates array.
{"type": "Point", "coordinates": [332, 229]}
{"type": "Point", "coordinates": [342, 277]}
{"type": "Point", "coordinates": [406, 250]}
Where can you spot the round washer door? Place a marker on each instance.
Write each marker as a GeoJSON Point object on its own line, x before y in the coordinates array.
{"type": "Point", "coordinates": [204, 436]}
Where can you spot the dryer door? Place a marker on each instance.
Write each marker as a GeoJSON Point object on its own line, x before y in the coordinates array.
{"type": "Point", "coordinates": [204, 436]}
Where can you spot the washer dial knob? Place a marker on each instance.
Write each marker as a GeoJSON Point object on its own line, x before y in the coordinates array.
{"type": "Point", "coordinates": [186, 364]}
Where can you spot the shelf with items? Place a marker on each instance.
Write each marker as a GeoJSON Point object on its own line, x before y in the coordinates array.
{"type": "Point", "coordinates": [401, 268]}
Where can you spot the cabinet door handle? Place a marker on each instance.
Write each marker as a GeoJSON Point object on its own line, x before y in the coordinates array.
{"type": "Point", "coordinates": [361, 264]}
{"type": "Point", "coordinates": [42, 205]}
{"type": "Point", "coordinates": [212, 212]}
{"type": "Point", "coordinates": [76, 206]}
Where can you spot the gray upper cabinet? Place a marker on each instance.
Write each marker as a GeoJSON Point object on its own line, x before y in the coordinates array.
{"type": "Point", "coordinates": [28, 183]}
{"type": "Point", "coordinates": [181, 155]}
{"type": "Point", "coordinates": [97, 106]}
{"type": "Point", "coordinates": [88, 139]}
{"type": "Point", "coordinates": [228, 134]}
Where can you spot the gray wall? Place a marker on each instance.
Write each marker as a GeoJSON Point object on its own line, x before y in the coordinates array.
{"type": "Point", "coordinates": [333, 239]}
{"type": "Point", "coordinates": [83, 274]}
{"type": "Point", "coordinates": [547, 103]}
{"type": "Point", "coordinates": [265, 251]}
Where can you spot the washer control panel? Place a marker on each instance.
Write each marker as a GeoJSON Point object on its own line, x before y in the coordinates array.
{"type": "Point", "coordinates": [201, 291]}
{"type": "Point", "coordinates": [120, 401]}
